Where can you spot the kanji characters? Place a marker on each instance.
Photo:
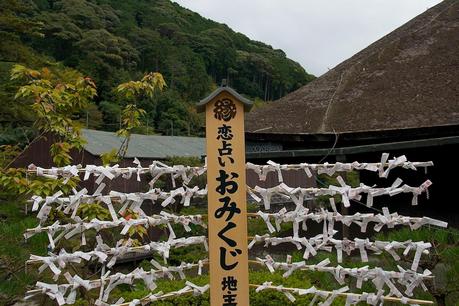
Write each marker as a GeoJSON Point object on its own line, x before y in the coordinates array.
{"type": "Point", "coordinates": [224, 109]}
{"type": "Point", "coordinates": [224, 132]}
{"type": "Point", "coordinates": [227, 186]}
{"type": "Point", "coordinates": [229, 283]}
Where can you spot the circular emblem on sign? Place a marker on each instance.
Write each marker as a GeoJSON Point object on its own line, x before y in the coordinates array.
{"type": "Point", "coordinates": [224, 109]}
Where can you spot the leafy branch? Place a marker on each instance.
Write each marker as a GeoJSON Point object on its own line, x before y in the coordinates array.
{"type": "Point", "coordinates": [55, 98]}
{"type": "Point", "coordinates": [131, 115]}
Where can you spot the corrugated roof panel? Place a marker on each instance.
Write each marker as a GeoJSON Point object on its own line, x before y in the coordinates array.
{"type": "Point", "coordinates": [144, 146]}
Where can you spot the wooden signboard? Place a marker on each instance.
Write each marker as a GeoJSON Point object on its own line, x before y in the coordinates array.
{"type": "Point", "coordinates": [227, 211]}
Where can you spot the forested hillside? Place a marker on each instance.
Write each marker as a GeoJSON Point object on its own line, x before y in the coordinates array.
{"type": "Point", "coordinates": [115, 41]}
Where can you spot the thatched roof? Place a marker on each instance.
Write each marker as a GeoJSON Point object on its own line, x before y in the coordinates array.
{"type": "Point", "coordinates": [407, 79]}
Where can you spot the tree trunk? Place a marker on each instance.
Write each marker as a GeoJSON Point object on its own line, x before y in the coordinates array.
{"type": "Point", "coordinates": [266, 88]}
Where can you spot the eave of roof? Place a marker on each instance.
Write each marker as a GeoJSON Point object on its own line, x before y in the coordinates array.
{"type": "Point", "coordinates": [381, 147]}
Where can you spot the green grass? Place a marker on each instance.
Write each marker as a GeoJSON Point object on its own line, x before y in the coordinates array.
{"type": "Point", "coordinates": [265, 298]}
{"type": "Point", "coordinates": [442, 260]}
{"type": "Point", "coordinates": [14, 251]}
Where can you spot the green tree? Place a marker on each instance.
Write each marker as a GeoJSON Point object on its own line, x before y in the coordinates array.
{"type": "Point", "coordinates": [131, 115]}
{"type": "Point", "coordinates": [56, 97]}
{"type": "Point", "coordinates": [117, 41]}
{"type": "Point", "coordinates": [17, 22]}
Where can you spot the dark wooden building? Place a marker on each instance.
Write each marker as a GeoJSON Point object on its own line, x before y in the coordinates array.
{"type": "Point", "coordinates": [147, 148]}
{"type": "Point", "coordinates": [399, 95]}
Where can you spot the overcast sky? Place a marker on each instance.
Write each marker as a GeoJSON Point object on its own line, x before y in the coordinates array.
{"type": "Point", "coordinates": [319, 34]}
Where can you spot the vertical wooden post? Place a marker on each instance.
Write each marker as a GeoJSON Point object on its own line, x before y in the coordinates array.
{"type": "Point", "coordinates": [226, 183]}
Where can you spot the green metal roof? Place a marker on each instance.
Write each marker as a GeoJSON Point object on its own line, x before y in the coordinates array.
{"type": "Point", "coordinates": [144, 146]}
